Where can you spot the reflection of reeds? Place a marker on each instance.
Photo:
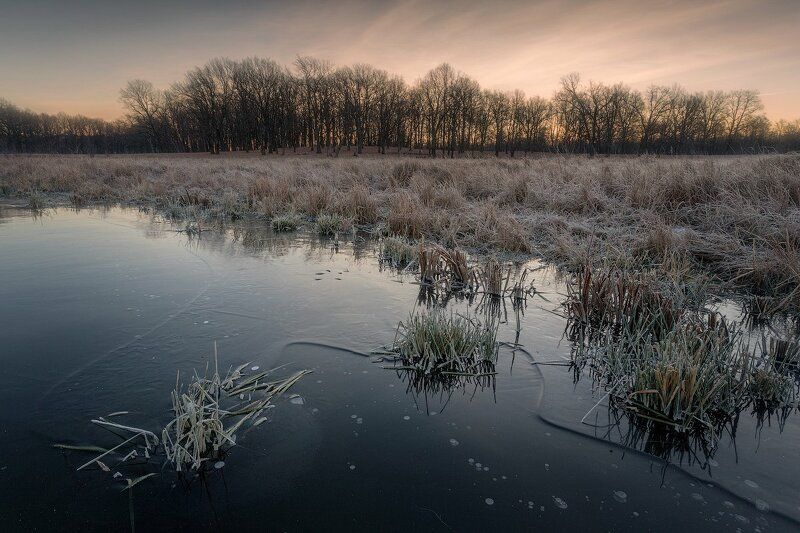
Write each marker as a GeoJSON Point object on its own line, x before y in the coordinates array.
{"type": "Point", "coordinates": [666, 442]}
{"type": "Point", "coordinates": [430, 387]}
{"type": "Point", "coordinates": [430, 296]}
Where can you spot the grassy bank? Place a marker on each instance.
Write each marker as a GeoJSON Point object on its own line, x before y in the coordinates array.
{"type": "Point", "coordinates": [734, 219]}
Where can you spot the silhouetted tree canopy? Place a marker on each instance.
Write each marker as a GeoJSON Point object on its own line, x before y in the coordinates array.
{"type": "Point", "coordinates": [257, 104]}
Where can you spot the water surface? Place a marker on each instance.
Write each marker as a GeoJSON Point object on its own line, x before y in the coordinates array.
{"type": "Point", "coordinates": [101, 308]}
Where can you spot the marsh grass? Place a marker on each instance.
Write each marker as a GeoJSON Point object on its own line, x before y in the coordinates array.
{"type": "Point", "coordinates": [449, 269]}
{"type": "Point", "coordinates": [734, 218]}
{"type": "Point", "coordinates": [431, 264]}
{"type": "Point", "coordinates": [285, 222]}
{"type": "Point", "coordinates": [331, 224]}
{"type": "Point", "coordinates": [775, 373]}
{"type": "Point", "coordinates": [491, 278]}
{"type": "Point", "coordinates": [398, 251]}
{"type": "Point", "coordinates": [772, 390]}
{"type": "Point", "coordinates": [783, 354]}
{"type": "Point", "coordinates": [760, 310]}
{"type": "Point", "coordinates": [694, 376]}
{"type": "Point", "coordinates": [444, 348]}
{"type": "Point", "coordinates": [461, 275]}
{"type": "Point", "coordinates": [600, 298]}
{"type": "Point", "coordinates": [669, 364]}
{"type": "Point", "coordinates": [36, 201]}
{"type": "Point", "coordinates": [211, 409]}
{"type": "Point", "coordinates": [77, 199]}
{"type": "Point", "coordinates": [675, 369]}
{"type": "Point", "coordinates": [520, 287]}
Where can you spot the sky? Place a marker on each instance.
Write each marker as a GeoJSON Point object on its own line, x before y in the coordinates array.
{"type": "Point", "coordinates": [75, 56]}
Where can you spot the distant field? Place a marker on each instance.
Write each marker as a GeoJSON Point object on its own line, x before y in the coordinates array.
{"type": "Point", "coordinates": [735, 219]}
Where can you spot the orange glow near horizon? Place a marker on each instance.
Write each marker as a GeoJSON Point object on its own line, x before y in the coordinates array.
{"type": "Point", "coordinates": [75, 59]}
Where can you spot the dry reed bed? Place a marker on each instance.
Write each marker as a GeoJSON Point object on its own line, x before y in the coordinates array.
{"type": "Point", "coordinates": [737, 218]}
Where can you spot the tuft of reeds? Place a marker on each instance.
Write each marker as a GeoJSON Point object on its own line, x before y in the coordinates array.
{"type": "Point", "coordinates": [775, 373]}
{"type": "Point", "coordinates": [491, 277]}
{"type": "Point", "coordinates": [783, 354]}
{"type": "Point", "coordinates": [435, 344]}
{"type": "Point", "coordinates": [202, 428]}
{"type": "Point", "coordinates": [331, 224]}
{"type": "Point", "coordinates": [207, 414]}
{"type": "Point", "coordinates": [283, 223]}
{"type": "Point", "coordinates": [603, 297]}
{"type": "Point", "coordinates": [446, 268]}
{"type": "Point", "coordinates": [688, 370]}
{"type": "Point", "coordinates": [771, 390]}
{"type": "Point", "coordinates": [36, 201]}
{"type": "Point", "coordinates": [398, 251]}
{"type": "Point", "coordinates": [520, 287]}
{"type": "Point", "coordinates": [461, 275]}
{"type": "Point", "coordinates": [691, 378]}
{"type": "Point", "coordinates": [431, 265]}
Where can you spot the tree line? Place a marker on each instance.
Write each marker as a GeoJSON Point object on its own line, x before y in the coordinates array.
{"type": "Point", "coordinates": [257, 104]}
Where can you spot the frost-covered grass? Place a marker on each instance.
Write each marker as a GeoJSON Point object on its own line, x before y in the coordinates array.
{"type": "Point", "coordinates": [735, 218]}
{"type": "Point", "coordinates": [436, 343]}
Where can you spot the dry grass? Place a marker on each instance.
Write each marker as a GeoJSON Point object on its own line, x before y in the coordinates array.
{"type": "Point", "coordinates": [431, 267]}
{"type": "Point", "coordinates": [613, 298]}
{"type": "Point", "coordinates": [737, 218]}
{"type": "Point", "coordinates": [491, 277]}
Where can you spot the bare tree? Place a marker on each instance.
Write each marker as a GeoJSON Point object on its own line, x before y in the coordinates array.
{"type": "Point", "coordinates": [257, 104]}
